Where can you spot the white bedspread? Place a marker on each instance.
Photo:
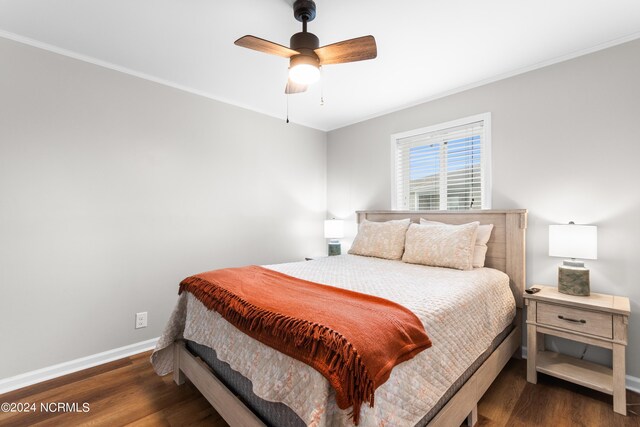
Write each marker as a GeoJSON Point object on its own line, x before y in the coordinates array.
{"type": "Point", "coordinates": [462, 312]}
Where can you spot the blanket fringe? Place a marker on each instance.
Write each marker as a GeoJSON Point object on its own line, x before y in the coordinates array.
{"type": "Point", "coordinates": [338, 353]}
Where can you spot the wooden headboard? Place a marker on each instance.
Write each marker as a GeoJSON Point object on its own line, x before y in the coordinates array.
{"type": "Point", "coordinates": [506, 246]}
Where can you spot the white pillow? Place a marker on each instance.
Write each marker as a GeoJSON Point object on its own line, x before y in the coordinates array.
{"type": "Point", "coordinates": [441, 245]}
{"type": "Point", "coordinates": [380, 239]}
{"type": "Point", "coordinates": [480, 249]}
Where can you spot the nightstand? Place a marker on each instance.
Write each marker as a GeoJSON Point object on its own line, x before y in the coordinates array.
{"type": "Point", "coordinates": [598, 319]}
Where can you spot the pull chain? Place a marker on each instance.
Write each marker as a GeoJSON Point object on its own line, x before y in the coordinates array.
{"type": "Point", "coordinates": [321, 87]}
{"type": "Point", "coordinates": [287, 108]}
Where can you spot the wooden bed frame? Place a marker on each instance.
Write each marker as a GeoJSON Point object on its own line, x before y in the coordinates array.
{"type": "Point", "coordinates": [506, 252]}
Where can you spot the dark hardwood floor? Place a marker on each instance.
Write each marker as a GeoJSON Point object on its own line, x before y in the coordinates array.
{"type": "Point", "coordinates": [128, 392]}
{"type": "Point", "coordinates": [512, 401]}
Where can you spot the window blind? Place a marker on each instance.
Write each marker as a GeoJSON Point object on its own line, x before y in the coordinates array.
{"type": "Point", "coordinates": [441, 169]}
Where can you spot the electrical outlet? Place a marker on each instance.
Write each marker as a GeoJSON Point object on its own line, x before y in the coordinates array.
{"type": "Point", "coordinates": [141, 320]}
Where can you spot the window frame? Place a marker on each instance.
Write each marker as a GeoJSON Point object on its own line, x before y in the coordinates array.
{"type": "Point", "coordinates": [485, 160]}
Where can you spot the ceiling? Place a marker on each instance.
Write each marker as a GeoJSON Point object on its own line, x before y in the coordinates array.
{"type": "Point", "coordinates": [426, 48]}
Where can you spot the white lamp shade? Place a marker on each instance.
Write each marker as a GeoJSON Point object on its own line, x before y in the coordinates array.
{"type": "Point", "coordinates": [573, 241]}
{"type": "Point", "coordinates": [333, 228]}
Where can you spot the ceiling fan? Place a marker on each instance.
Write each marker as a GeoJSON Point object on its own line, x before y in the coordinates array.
{"type": "Point", "coordinates": [305, 55]}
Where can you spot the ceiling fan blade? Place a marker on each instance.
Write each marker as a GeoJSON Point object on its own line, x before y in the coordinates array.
{"type": "Point", "coordinates": [357, 49]}
{"type": "Point", "coordinates": [262, 45]}
{"type": "Point", "coordinates": [293, 87]}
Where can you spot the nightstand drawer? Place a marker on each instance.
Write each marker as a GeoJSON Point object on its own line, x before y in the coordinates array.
{"type": "Point", "coordinates": [575, 319]}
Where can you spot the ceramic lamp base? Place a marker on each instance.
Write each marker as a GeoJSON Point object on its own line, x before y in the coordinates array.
{"type": "Point", "coordinates": [334, 248]}
{"type": "Point", "coordinates": [573, 280]}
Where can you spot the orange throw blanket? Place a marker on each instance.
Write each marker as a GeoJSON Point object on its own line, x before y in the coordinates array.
{"type": "Point", "coordinates": [353, 339]}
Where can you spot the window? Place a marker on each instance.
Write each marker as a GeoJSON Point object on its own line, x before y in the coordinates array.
{"type": "Point", "coordinates": [443, 167]}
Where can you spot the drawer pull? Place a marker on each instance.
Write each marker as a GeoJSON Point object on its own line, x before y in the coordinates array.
{"type": "Point", "coordinates": [561, 317]}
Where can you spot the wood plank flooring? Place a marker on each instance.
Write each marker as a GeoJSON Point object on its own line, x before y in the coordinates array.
{"type": "Point", "coordinates": [128, 392]}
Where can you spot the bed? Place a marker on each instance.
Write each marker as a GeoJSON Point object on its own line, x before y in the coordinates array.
{"type": "Point", "coordinates": [250, 384]}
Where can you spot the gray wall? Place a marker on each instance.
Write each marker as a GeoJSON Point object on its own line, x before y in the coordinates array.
{"type": "Point", "coordinates": [566, 146]}
{"type": "Point", "coordinates": [113, 189]}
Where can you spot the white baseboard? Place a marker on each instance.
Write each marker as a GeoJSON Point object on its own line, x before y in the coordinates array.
{"type": "Point", "coordinates": [632, 383]}
{"type": "Point", "coordinates": [44, 374]}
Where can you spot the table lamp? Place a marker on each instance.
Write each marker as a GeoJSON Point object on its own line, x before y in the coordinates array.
{"type": "Point", "coordinates": [573, 241]}
{"type": "Point", "coordinates": [334, 230]}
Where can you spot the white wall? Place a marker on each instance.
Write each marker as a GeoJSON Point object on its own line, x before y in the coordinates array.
{"type": "Point", "coordinates": [113, 189]}
{"type": "Point", "coordinates": [566, 146]}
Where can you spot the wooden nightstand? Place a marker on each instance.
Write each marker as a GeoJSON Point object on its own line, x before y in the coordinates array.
{"type": "Point", "coordinates": [598, 319]}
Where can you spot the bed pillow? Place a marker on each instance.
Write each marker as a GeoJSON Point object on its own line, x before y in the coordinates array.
{"type": "Point", "coordinates": [381, 239]}
{"type": "Point", "coordinates": [441, 245]}
{"type": "Point", "coordinates": [480, 249]}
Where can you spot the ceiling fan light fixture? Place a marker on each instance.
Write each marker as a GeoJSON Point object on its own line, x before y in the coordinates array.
{"type": "Point", "coordinates": [304, 74]}
{"type": "Point", "coordinates": [305, 54]}
{"type": "Point", "coordinates": [304, 69]}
